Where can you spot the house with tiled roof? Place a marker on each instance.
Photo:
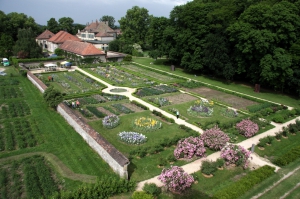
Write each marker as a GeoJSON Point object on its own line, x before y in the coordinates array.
{"type": "Point", "coordinates": [43, 38]}
{"type": "Point", "coordinates": [83, 50]}
{"type": "Point", "coordinates": [98, 33]}
{"type": "Point", "coordinates": [59, 38]}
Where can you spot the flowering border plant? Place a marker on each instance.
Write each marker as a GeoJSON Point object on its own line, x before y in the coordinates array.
{"type": "Point", "coordinates": [188, 147]}
{"type": "Point", "coordinates": [201, 108]}
{"type": "Point", "coordinates": [228, 112]}
{"type": "Point", "coordinates": [146, 124]}
{"type": "Point", "coordinates": [214, 138]}
{"type": "Point", "coordinates": [235, 154]}
{"type": "Point", "coordinates": [132, 137]}
{"type": "Point", "coordinates": [111, 121]}
{"type": "Point", "coordinates": [175, 179]}
{"type": "Point", "coordinates": [247, 128]}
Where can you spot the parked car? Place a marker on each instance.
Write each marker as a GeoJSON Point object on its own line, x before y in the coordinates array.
{"type": "Point", "coordinates": [5, 62]}
{"type": "Point", "coordinates": [2, 73]}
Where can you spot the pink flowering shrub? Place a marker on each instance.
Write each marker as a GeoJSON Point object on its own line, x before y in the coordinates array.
{"type": "Point", "coordinates": [235, 154]}
{"type": "Point", "coordinates": [247, 128]}
{"type": "Point", "coordinates": [175, 179]}
{"type": "Point", "coordinates": [188, 147]}
{"type": "Point", "coordinates": [214, 138]}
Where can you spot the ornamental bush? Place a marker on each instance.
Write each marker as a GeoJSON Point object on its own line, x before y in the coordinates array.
{"type": "Point", "coordinates": [132, 137]}
{"type": "Point", "coordinates": [201, 108]}
{"type": "Point", "coordinates": [235, 154]}
{"type": "Point", "coordinates": [188, 147]}
{"type": "Point", "coordinates": [152, 189]}
{"type": "Point", "coordinates": [111, 121]}
{"type": "Point", "coordinates": [214, 138]}
{"type": "Point", "coordinates": [247, 128]}
{"type": "Point", "coordinates": [175, 179]}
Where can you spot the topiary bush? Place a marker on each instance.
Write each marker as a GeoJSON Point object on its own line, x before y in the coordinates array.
{"type": "Point", "coordinates": [151, 188]}
{"type": "Point", "coordinates": [208, 167]}
{"type": "Point", "coordinates": [278, 119]}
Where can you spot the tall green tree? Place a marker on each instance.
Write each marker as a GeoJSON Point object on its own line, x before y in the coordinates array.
{"type": "Point", "coordinates": [6, 45]}
{"type": "Point", "coordinates": [135, 25]}
{"type": "Point", "coordinates": [66, 24]}
{"type": "Point", "coordinates": [52, 97]}
{"type": "Point", "coordinates": [26, 46]}
{"type": "Point", "coordinates": [110, 19]}
{"type": "Point", "coordinates": [53, 26]}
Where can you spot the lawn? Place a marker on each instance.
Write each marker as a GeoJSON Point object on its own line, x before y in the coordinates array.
{"type": "Point", "coordinates": [234, 86]}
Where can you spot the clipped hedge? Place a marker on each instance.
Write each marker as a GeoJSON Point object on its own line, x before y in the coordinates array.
{"type": "Point", "coordinates": [17, 61]}
{"type": "Point", "coordinates": [288, 157]}
{"type": "Point", "coordinates": [159, 114]}
{"type": "Point", "coordinates": [139, 105]}
{"type": "Point", "coordinates": [246, 183]}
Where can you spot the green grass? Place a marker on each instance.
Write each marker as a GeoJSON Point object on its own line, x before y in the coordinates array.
{"type": "Point", "coordinates": [234, 86]}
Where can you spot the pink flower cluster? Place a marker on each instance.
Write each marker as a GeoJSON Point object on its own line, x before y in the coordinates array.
{"type": "Point", "coordinates": [175, 179]}
{"type": "Point", "coordinates": [235, 154]}
{"type": "Point", "coordinates": [247, 128]}
{"type": "Point", "coordinates": [188, 147]}
{"type": "Point", "coordinates": [214, 138]}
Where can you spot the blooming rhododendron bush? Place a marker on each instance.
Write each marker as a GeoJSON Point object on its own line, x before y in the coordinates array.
{"type": "Point", "coordinates": [175, 179]}
{"type": "Point", "coordinates": [188, 147]}
{"type": "Point", "coordinates": [214, 138]}
{"type": "Point", "coordinates": [235, 154]}
{"type": "Point", "coordinates": [247, 128]}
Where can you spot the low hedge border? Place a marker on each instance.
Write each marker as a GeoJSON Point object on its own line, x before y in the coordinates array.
{"type": "Point", "coordinates": [288, 157]}
{"type": "Point", "coordinates": [243, 185]}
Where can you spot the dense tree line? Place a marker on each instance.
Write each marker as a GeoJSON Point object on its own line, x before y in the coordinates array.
{"type": "Point", "coordinates": [256, 41]}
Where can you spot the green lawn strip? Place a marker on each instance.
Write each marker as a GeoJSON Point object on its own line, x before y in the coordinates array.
{"type": "Point", "coordinates": [59, 138]}
{"type": "Point", "coordinates": [279, 148]}
{"type": "Point", "coordinates": [295, 194]}
{"type": "Point", "coordinates": [266, 184]}
{"type": "Point", "coordinates": [237, 87]}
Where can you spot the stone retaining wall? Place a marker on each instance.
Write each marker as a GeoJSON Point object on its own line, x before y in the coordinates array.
{"type": "Point", "coordinates": [116, 160]}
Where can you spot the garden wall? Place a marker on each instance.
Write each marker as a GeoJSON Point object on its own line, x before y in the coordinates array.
{"type": "Point", "coordinates": [116, 160]}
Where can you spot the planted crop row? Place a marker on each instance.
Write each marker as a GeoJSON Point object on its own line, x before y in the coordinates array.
{"type": "Point", "coordinates": [122, 109]}
{"type": "Point", "coordinates": [3, 182]}
{"type": "Point", "coordinates": [155, 90]}
{"type": "Point", "coordinates": [15, 109]}
{"type": "Point", "coordinates": [10, 92]}
{"type": "Point", "coordinates": [8, 82]}
{"type": "Point", "coordinates": [18, 135]}
{"type": "Point", "coordinates": [96, 112]}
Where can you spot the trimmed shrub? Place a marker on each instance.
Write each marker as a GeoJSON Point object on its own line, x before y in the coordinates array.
{"type": "Point", "coordinates": [152, 189]}
{"type": "Point", "coordinates": [208, 167]}
{"type": "Point", "coordinates": [220, 162]}
{"type": "Point", "coordinates": [278, 119]}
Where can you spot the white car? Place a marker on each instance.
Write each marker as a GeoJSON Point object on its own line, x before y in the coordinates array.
{"type": "Point", "coordinates": [2, 73]}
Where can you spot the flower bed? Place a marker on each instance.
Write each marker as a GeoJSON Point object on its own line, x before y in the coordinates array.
{"type": "Point", "coordinates": [235, 154]}
{"type": "Point", "coordinates": [201, 108]}
{"type": "Point", "coordinates": [188, 147]}
{"type": "Point", "coordinates": [132, 137]}
{"type": "Point", "coordinates": [160, 101]}
{"type": "Point", "coordinates": [247, 128]}
{"type": "Point", "coordinates": [146, 124]}
{"type": "Point", "coordinates": [228, 112]}
{"type": "Point", "coordinates": [111, 121]}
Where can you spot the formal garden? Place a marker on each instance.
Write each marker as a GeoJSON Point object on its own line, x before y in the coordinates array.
{"type": "Point", "coordinates": [154, 143]}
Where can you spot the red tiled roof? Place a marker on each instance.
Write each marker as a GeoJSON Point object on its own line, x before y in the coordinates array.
{"type": "Point", "coordinates": [47, 34]}
{"type": "Point", "coordinates": [62, 36]}
{"type": "Point", "coordinates": [103, 34]}
{"type": "Point", "coordinates": [80, 48]}
{"type": "Point", "coordinates": [97, 27]}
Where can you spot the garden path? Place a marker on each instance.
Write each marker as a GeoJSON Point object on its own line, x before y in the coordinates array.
{"type": "Point", "coordinates": [195, 165]}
